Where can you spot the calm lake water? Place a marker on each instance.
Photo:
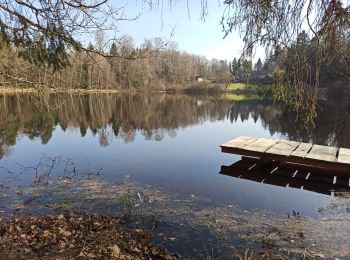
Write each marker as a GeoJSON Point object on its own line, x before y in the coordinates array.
{"type": "Point", "coordinates": [167, 141]}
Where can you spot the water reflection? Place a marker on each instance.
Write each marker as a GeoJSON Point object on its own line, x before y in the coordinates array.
{"type": "Point", "coordinates": [155, 116]}
{"type": "Point", "coordinates": [166, 141]}
{"type": "Point", "coordinates": [288, 175]}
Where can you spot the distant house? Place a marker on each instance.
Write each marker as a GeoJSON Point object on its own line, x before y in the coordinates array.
{"type": "Point", "coordinates": [199, 79]}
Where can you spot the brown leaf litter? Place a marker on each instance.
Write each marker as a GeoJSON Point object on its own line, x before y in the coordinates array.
{"type": "Point", "coordinates": [75, 237]}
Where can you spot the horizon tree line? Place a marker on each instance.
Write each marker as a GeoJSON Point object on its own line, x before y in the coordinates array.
{"type": "Point", "coordinates": [165, 67]}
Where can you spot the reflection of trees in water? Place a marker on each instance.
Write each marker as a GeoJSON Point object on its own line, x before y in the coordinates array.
{"type": "Point", "coordinates": [155, 116]}
{"type": "Point", "coordinates": [104, 136]}
{"type": "Point", "coordinates": [106, 116]}
{"type": "Point", "coordinates": [331, 127]}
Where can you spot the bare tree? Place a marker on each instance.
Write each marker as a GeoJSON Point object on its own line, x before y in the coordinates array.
{"type": "Point", "coordinates": [44, 31]}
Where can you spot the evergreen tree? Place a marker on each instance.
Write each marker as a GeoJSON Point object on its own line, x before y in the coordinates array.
{"type": "Point", "coordinates": [258, 65]}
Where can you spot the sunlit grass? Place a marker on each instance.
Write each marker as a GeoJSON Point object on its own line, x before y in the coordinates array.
{"type": "Point", "coordinates": [240, 86]}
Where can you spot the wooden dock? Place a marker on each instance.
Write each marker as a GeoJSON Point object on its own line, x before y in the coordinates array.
{"type": "Point", "coordinates": [319, 158]}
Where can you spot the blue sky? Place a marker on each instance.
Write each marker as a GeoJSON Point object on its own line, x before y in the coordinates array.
{"type": "Point", "coordinates": [192, 34]}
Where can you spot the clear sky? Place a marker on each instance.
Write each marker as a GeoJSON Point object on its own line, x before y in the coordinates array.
{"type": "Point", "coordinates": [192, 34]}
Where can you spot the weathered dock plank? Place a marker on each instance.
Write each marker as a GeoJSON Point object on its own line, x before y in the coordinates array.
{"type": "Point", "coordinates": [240, 142]}
{"type": "Point", "coordinates": [302, 150]}
{"type": "Point", "coordinates": [344, 156]}
{"type": "Point", "coordinates": [261, 145]}
{"type": "Point", "coordinates": [323, 153]}
{"type": "Point", "coordinates": [283, 147]}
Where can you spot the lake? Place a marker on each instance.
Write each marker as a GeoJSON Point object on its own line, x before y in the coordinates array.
{"type": "Point", "coordinates": [167, 141]}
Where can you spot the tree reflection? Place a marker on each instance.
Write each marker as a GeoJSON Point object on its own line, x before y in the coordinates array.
{"type": "Point", "coordinates": [105, 116]}
{"type": "Point", "coordinates": [155, 116]}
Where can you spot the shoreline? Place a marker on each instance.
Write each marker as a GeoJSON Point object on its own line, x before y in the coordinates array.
{"type": "Point", "coordinates": [160, 224]}
{"type": "Point", "coordinates": [58, 90]}
{"type": "Point", "coordinates": [117, 91]}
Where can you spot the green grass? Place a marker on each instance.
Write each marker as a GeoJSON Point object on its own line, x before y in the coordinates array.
{"type": "Point", "coordinates": [240, 86]}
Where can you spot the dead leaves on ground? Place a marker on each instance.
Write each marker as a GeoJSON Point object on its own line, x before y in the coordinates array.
{"type": "Point", "coordinates": [74, 237]}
